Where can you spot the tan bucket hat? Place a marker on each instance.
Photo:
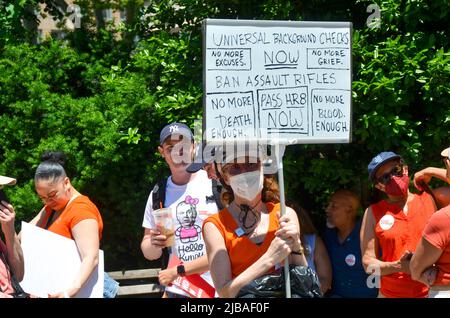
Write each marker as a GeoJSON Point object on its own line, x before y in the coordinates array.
{"type": "Point", "coordinates": [7, 181]}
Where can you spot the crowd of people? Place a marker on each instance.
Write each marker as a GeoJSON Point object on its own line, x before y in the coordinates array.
{"type": "Point", "coordinates": [229, 232]}
{"type": "Point", "coordinates": [372, 256]}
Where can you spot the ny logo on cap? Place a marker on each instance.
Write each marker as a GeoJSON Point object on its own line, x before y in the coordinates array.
{"type": "Point", "coordinates": [378, 159]}
{"type": "Point", "coordinates": [173, 128]}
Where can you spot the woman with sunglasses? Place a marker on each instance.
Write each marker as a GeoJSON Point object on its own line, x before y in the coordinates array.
{"type": "Point", "coordinates": [248, 238]}
{"type": "Point", "coordinates": [431, 261]}
{"type": "Point", "coordinates": [392, 228]}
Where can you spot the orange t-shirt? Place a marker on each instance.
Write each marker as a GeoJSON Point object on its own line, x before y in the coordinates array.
{"type": "Point", "coordinates": [396, 233]}
{"type": "Point", "coordinates": [437, 233]}
{"type": "Point", "coordinates": [81, 208]}
{"type": "Point", "coordinates": [241, 250]}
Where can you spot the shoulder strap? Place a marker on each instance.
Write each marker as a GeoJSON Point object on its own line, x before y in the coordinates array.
{"type": "Point", "coordinates": [18, 291]}
{"type": "Point", "coordinates": [159, 194]}
{"type": "Point", "coordinates": [158, 198]}
{"type": "Point", "coordinates": [50, 220]}
{"type": "Point", "coordinates": [217, 190]}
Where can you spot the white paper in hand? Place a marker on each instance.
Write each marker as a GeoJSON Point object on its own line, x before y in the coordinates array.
{"type": "Point", "coordinates": [52, 262]}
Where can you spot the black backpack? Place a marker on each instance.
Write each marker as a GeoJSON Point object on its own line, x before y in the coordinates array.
{"type": "Point", "coordinates": [159, 197]}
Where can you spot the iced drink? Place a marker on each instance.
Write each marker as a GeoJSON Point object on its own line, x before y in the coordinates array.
{"type": "Point", "coordinates": [164, 224]}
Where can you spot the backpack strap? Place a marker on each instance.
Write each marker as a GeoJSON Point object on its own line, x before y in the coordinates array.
{"type": "Point", "coordinates": [158, 198]}
{"type": "Point", "coordinates": [159, 194]}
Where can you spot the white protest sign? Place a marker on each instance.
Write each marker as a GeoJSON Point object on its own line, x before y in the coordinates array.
{"type": "Point", "coordinates": [52, 262]}
{"type": "Point", "coordinates": [280, 81]}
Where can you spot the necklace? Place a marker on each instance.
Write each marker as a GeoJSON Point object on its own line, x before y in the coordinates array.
{"type": "Point", "coordinates": [248, 217]}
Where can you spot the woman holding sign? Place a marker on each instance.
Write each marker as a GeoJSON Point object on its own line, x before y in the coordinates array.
{"type": "Point", "coordinates": [248, 238]}
{"type": "Point", "coordinates": [68, 213]}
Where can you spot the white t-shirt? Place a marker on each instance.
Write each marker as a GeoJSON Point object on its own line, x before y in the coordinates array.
{"type": "Point", "coordinates": [191, 204]}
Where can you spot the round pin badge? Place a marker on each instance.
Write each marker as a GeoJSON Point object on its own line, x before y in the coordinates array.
{"type": "Point", "coordinates": [350, 259]}
{"type": "Point", "coordinates": [386, 222]}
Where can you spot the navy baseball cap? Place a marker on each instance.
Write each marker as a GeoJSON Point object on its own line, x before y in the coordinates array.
{"type": "Point", "coordinates": [379, 160]}
{"type": "Point", "coordinates": [175, 129]}
{"type": "Point", "coordinates": [203, 156]}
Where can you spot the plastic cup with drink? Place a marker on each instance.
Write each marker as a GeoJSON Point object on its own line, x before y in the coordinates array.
{"type": "Point", "coordinates": [164, 224]}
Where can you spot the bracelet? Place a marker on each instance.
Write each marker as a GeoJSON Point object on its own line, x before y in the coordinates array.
{"type": "Point", "coordinates": [66, 295]}
{"type": "Point", "coordinates": [299, 252]}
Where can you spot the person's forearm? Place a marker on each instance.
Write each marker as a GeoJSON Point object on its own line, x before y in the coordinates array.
{"type": "Point", "coordinates": [88, 264]}
{"type": "Point", "coordinates": [197, 266]}
{"type": "Point", "coordinates": [257, 269]}
{"type": "Point", "coordinates": [15, 253]}
{"type": "Point", "coordinates": [150, 251]}
{"type": "Point", "coordinates": [437, 173]}
{"type": "Point", "coordinates": [382, 268]}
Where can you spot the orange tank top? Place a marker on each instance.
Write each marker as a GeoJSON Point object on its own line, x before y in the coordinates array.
{"type": "Point", "coordinates": [81, 208]}
{"type": "Point", "coordinates": [397, 232]}
{"type": "Point", "coordinates": [241, 250]}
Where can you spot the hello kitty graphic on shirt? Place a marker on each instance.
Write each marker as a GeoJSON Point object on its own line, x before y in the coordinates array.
{"type": "Point", "coordinates": [186, 213]}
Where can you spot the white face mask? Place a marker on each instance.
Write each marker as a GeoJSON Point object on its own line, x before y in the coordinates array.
{"type": "Point", "coordinates": [247, 185]}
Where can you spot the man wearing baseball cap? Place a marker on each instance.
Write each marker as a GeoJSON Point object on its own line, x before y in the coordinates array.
{"type": "Point", "coordinates": [431, 262]}
{"type": "Point", "coordinates": [11, 255]}
{"type": "Point", "coordinates": [394, 227]}
{"type": "Point", "coordinates": [188, 195]}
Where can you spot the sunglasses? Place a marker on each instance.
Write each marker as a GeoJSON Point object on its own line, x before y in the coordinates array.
{"type": "Point", "coordinates": [396, 171]}
{"type": "Point", "coordinates": [237, 168]}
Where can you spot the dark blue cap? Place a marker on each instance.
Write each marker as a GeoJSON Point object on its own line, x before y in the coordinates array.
{"type": "Point", "coordinates": [379, 160]}
{"type": "Point", "coordinates": [204, 155]}
{"type": "Point", "coordinates": [175, 129]}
